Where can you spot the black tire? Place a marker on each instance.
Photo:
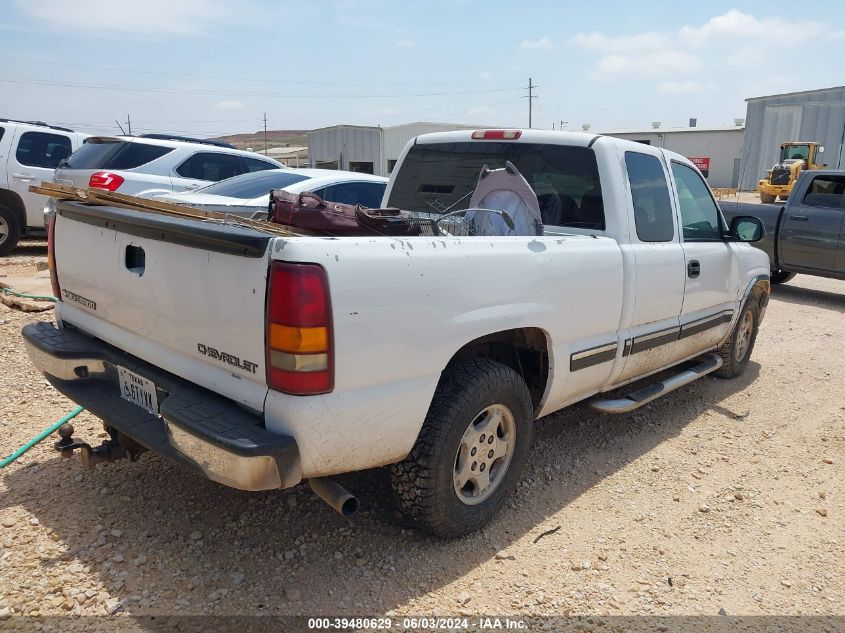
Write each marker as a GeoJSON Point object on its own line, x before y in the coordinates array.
{"type": "Point", "coordinates": [767, 198]}
{"type": "Point", "coordinates": [783, 198]}
{"type": "Point", "coordinates": [424, 481]}
{"type": "Point", "coordinates": [781, 276]}
{"type": "Point", "coordinates": [10, 231]}
{"type": "Point", "coordinates": [734, 360]}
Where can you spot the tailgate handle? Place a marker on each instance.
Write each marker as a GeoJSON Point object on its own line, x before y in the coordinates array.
{"type": "Point", "coordinates": [135, 260]}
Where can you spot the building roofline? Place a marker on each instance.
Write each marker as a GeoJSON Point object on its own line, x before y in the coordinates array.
{"type": "Point", "coordinates": [340, 125]}
{"type": "Point", "coordinates": [797, 92]}
{"type": "Point", "coordinates": [466, 125]}
{"type": "Point", "coordinates": [391, 127]}
{"type": "Point", "coordinates": [674, 130]}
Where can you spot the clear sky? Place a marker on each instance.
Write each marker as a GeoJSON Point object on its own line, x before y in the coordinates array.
{"type": "Point", "coordinates": [207, 67]}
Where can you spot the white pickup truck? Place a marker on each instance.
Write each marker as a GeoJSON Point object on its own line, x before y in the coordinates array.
{"type": "Point", "coordinates": [30, 151]}
{"type": "Point", "coordinates": [260, 361]}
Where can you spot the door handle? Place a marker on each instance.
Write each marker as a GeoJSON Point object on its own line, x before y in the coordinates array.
{"type": "Point", "coordinates": [693, 268]}
{"type": "Point", "coordinates": [26, 177]}
{"type": "Point", "coordinates": [799, 218]}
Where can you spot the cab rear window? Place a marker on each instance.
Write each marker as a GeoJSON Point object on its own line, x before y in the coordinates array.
{"type": "Point", "coordinates": [115, 154]}
{"type": "Point", "coordinates": [440, 177]}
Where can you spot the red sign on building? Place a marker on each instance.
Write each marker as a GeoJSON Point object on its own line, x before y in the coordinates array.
{"type": "Point", "coordinates": [702, 162]}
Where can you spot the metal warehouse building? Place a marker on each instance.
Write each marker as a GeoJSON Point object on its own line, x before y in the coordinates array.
{"type": "Point", "coordinates": [373, 150]}
{"type": "Point", "coordinates": [716, 151]}
{"type": "Point", "coordinates": [812, 115]}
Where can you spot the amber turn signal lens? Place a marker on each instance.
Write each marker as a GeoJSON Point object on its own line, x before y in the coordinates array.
{"type": "Point", "coordinates": [298, 340]}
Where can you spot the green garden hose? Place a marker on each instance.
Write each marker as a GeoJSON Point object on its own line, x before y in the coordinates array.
{"type": "Point", "coordinates": [26, 296]}
{"type": "Point", "coordinates": [41, 436]}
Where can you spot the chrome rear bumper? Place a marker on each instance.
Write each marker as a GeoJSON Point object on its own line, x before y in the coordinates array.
{"type": "Point", "coordinates": [196, 428]}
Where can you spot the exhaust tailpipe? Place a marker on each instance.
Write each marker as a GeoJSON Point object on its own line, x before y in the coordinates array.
{"type": "Point", "coordinates": [335, 495]}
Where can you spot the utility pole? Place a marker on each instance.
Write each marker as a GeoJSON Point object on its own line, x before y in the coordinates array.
{"type": "Point", "coordinates": [531, 97]}
{"type": "Point", "coordinates": [265, 134]}
{"type": "Point", "coordinates": [129, 125]}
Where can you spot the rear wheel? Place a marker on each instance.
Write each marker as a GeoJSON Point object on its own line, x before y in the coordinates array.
{"type": "Point", "coordinates": [736, 351]}
{"type": "Point", "coordinates": [783, 198]}
{"type": "Point", "coordinates": [767, 198]}
{"type": "Point", "coordinates": [10, 231]}
{"type": "Point", "coordinates": [781, 276]}
{"type": "Point", "coordinates": [470, 452]}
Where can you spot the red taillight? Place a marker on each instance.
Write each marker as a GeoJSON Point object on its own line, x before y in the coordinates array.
{"type": "Point", "coordinates": [105, 180]}
{"type": "Point", "coordinates": [496, 135]}
{"type": "Point", "coordinates": [51, 254]}
{"type": "Point", "coordinates": [299, 329]}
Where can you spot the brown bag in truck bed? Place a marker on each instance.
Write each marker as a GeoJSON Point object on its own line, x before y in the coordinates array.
{"type": "Point", "coordinates": [309, 211]}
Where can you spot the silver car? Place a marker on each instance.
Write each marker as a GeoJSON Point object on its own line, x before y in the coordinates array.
{"type": "Point", "coordinates": [248, 194]}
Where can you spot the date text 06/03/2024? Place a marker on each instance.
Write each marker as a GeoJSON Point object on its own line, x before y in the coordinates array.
{"type": "Point", "coordinates": [419, 623]}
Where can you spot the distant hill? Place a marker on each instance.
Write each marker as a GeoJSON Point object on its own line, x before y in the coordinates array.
{"type": "Point", "coordinates": [275, 138]}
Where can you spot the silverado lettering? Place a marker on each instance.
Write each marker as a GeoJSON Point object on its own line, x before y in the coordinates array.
{"type": "Point", "coordinates": [234, 361]}
{"type": "Point", "coordinates": [83, 301]}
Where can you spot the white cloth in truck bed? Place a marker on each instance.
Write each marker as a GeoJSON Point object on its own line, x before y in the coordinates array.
{"type": "Point", "coordinates": [504, 190]}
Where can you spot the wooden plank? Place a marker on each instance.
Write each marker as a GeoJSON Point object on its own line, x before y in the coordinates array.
{"type": "Point", "coordinates": [108, 198]}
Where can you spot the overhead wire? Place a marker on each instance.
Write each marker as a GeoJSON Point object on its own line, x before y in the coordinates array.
{"type": "Point", "coordinates": [262, 80]}
{"type": "Point", "coordinates": [227, 93]}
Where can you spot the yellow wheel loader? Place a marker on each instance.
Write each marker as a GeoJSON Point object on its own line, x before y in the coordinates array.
{"type": "Point", "coordinates": [795, 157]}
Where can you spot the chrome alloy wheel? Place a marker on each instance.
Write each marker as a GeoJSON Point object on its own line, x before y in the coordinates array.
{"type": "Point", "coordinates": [484, 454]}
{"type": "Point", "coordinates": [4, 230]}
{"type": "Point", "coordinates": [743, 335]}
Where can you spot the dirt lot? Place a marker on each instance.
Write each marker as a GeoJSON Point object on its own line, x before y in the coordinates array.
{"type": "Point", "coordinates": [725, 495]}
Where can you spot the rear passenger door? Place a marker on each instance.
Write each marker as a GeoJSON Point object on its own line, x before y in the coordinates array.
{"type": "Point", "coordinates": [811, 227]}
{"type": "Point", "coordinates": [710, 264]}
{"type": "Point", "coordinates": [33, 157]}
{"type": "Point", "coordinates": [657, 257]}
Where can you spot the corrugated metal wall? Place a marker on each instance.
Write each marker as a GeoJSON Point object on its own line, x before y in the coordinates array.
{"type": "Point", "coordinates": [722, 147]}
{"type": "Point", "coordinates": [395, 138]}
{"type": "Point", "coordinates": [345, 144]}
{"type": "Point", "coordinates": [817, 115]}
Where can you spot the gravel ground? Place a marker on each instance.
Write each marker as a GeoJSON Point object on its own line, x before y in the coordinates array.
{"type": "Point", "coordinates": [725, 495]}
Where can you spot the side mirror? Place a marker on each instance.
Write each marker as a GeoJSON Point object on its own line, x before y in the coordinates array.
{"type": "Point", "coordinates": [820, 149]}
{"type": "Point", "coordinates": [746, 228]}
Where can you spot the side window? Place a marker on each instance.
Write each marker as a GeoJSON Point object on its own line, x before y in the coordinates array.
{"type": "Point", "coordinates": [699, 213]}
{"type": "Point", "coordinates": [650, 197]}
{"type": "Point", "coordinates": [210, 166]}
{"type": "Point", "coordinates": [136, 154]}
{"type": "Point", "coordinates": [253, 164]}
{"type": "Point", "coordinates": [2, 131]}
{"type": "Point", "coordinates": [826, 191]}
{"type": "Point", "coordinates": [39, 149]}
{"type": "Point", "coordinates": [368, 194]}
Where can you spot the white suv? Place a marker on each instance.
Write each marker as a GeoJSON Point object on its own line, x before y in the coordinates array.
{"type": "Point", "coordinates": [153, 164]}
{"type": "Point", "coordinates": [29, 152]}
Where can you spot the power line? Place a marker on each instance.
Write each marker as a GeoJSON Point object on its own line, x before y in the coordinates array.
{"type": "Point", "coordinates": [222, 93]}
{"type": "Point", "coordinates": [262, 81]}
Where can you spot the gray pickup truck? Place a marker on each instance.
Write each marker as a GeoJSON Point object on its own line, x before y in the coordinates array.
{"type": "Point", "coordinates": [806, 234]}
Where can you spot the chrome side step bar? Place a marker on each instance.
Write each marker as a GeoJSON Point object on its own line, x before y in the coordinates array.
{"type": "Point", "coordinates": [634, 400]}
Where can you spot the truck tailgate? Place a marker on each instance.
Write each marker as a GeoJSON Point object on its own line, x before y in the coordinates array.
{"type": "Point", "coordinates": [184, 295]}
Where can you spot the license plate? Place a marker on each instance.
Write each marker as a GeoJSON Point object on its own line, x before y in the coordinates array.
{"type": "Point", "coordinates": [138, 390]}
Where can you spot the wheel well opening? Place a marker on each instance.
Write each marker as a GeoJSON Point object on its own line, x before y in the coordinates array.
{"type": "Point", "coordinates": [13, 203]}
{"type": "Point", "coordinates": [525, 350]}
